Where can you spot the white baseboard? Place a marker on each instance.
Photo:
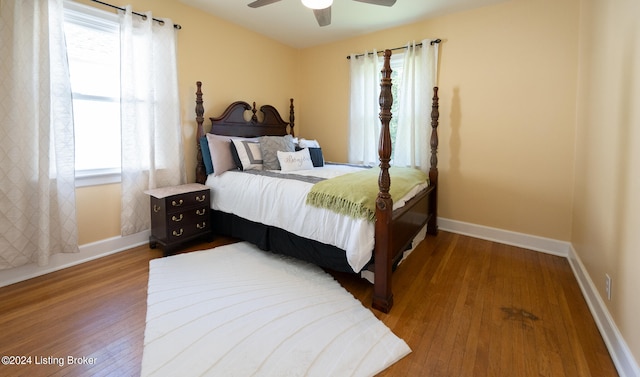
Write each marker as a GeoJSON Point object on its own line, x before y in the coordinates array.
{"type": "Point", "coordinates": [545, 245]}
{"type": "Point", "coordinates": [622, 357]}
{"type": "Point", "coordinates": [63, 260]}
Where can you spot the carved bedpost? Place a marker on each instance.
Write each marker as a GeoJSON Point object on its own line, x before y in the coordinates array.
{"type": "Point", "coordinates": [432, 225]}
{"type": "Point", "coordinates": [201, 173]}
{"type": "Point", "coordinates": [382, 294]}
{"type": "Point", "coordinates": [292, 118]}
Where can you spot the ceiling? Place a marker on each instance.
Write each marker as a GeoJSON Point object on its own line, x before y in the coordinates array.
{"type": "Point", "coordinates": [291, 23]}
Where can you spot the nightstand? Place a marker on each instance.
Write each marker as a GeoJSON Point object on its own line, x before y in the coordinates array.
{"type": "Point", "coordinates": [179, 214]}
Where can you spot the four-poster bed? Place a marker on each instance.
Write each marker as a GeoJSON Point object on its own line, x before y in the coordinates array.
{"type": "Point", "coordinates": [394, 229]}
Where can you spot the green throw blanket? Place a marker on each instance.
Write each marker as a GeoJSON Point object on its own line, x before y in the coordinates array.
{"type": "Point", "coordinates": [355, 194]}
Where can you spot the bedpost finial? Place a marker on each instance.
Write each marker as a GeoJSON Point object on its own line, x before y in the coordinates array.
{"type": "Point", "coordinates": [254, 117]}
{"type": "Point", "coordinates": [385, 101]}
{"type": "Point", "coordinates": [199, 107]}
{"type": "Point", "coordinates": [292, 117]}
{"type": "Point", "coordinates": [201, 174]}
{"type": "Point", "coordinates": [435, 115]}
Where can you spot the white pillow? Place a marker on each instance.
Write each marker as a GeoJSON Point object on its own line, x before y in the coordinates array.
{"type": "Point", "coordinates": [304, 143]}
{"type": "Point", "coordinates": [290, 161]}
{"type": "Point", "coordinates": [248, 153]}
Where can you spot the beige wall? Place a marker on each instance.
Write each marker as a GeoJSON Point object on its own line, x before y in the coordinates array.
{"type": "Point", "coordinates": [230, 61]}
{"type": "Point", "coordinates": [607, 206]}
{"type": "Point", "coordinates": [507, 112]}
{"type": "Point", "coordinates": [98, 211]}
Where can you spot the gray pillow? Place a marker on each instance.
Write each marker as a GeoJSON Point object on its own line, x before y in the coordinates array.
{"type": "Point", "coordinates": [269, 147]}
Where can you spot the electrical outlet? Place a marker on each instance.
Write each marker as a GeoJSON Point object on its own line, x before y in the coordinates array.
{"type": "Point", "coordinates": [607, 283]}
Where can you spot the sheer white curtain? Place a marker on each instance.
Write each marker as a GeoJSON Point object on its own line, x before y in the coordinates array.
{"type": "Point", "coordinates": [364, 121]}
{"type": "Point", "coordinates": [37, 192]}
{"type": "Point", "coordinates": [419, 75]}
{"type": "Point", "coordinates": [151, 134]}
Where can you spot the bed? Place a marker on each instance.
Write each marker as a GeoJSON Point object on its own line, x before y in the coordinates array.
{"type": "Point", "coordinates": [392, 231]}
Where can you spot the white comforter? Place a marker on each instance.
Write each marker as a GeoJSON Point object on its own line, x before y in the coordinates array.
{"type": "Point", "coordinates": [281, 203]}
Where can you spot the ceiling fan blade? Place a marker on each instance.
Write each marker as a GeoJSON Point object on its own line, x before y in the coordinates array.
{"type": "Point", "coordinates": [323, 16]}
{"type": "Point", "coordinates": [386, 3]}
{"type": "Point", "coordinates": [260, 3]}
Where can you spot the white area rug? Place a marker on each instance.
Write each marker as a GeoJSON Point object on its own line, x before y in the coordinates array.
{"type": "Point", "coordinates": [238, 311]}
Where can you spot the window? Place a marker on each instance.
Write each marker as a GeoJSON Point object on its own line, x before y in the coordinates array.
{"type": "Point", "coordinates": [397, 65]}
{"type": "Point", "coordinates": [364, 106]}
{"type": "Point", "coordinates": [93, 50]}
{"type": "Point", "coordinates": [414, 73]}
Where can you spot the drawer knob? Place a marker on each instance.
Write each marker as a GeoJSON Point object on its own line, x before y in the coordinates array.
{"type": "Point", "coordinates": [201, 198]}
{"type": "Point", "coordinates": [156, 208]}
{"type": "Point", "coordinates": [201, 212]}
{"type": "Point", "coordinates": [177, 233]}
{"type": "Point", "coordinates": [174, 218]}
{"type": "Point", "coordinates": [201, 226]}
{"type": "Point", "coordinates": [178, 203]}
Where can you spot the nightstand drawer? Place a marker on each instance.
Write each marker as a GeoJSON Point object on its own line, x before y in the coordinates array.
{"type": "Point", "coordinates": [186, 215]}
{"type": "Point", "coordinates": [180, 231]}
{"type": "Point", "coordinates": [179, 202]}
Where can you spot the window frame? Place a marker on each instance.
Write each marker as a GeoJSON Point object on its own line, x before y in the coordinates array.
{"type": "Point", "coordinates": [92, 17]}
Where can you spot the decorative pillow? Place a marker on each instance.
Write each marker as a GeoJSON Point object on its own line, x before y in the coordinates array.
{"type": "Point", "coordinates": [269, 147]}
{"type": "Point", "coordinates": [290, 161]}
{"type": "Point", "coordinates": [206, 155]}
{"type": "Point", "coordinates": [248, 154]}
{"type": "Point", "coordinates": [304, 143]}
{"type": "Point", "coordinates": [220, 149]}
{"type": "Point", "coordinates": [316, 156]}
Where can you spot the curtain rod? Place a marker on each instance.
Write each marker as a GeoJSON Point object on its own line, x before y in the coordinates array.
{"type": "Point", "coordinates": [136, 13]}
{"type": "Point", "coordinates": [398, 48]}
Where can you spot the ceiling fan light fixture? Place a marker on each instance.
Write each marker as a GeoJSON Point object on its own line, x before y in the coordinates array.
{"type": "Point", "coordinates": [317, 4]}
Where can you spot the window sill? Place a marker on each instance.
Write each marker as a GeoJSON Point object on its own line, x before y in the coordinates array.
{"type": "Point", "coordinates": [86, 178]}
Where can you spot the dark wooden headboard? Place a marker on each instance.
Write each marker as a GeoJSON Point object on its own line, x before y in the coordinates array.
{"type": "Point", "coordinates": [232, 122]}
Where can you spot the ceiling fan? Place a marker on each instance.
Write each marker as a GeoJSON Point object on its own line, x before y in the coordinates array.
{"type": "Point", "coordinates": [322, 8]}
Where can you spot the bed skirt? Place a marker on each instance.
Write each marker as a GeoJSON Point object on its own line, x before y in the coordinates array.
{"type": "Point", "coordinates": [270, 238]}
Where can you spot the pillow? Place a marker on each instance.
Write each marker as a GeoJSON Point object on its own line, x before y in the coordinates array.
{"type": "Point", "coordinates": [290, 161]}
{"type": "Point", "coordinates": [304, 143]}
{"type": "Point", "coordinates": [220, 149]}
{"type": "Point", "coordinates": [269, 147]}
{"type": "Point", "coordinates": [247, 153]}
{"type": "Point", "coordinates": [316, 156]}
{"type": "Point", "coordinates": [206, 155]}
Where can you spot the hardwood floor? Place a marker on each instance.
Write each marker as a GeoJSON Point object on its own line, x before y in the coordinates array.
{"type": "Point", "coordinates": [466, 307]}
